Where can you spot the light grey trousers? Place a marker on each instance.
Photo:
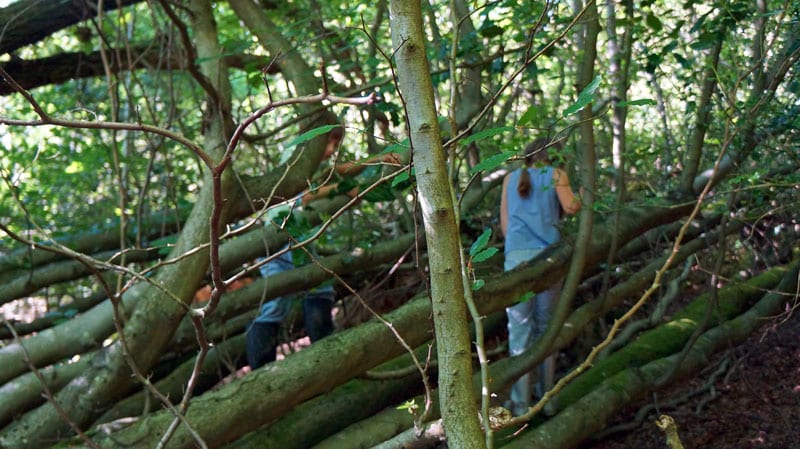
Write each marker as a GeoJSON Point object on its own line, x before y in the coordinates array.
{"type": "Point", "coordinates": [528, 321]}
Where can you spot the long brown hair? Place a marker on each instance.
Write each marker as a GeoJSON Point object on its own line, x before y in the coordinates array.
{"type": "Point", "coordinates": [536, 151]}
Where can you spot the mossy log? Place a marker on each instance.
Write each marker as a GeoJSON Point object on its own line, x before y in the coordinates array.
{"type": "Point", "coordinates": [671, 337]}
{"type": "Point", "coordinates": [590, 413]}
{"type": "Point", "coordinates": [391, 421]}
{"type": "Point", "coordinates": [319, 421]}
{"type": "Point", "coordinates": [267, 394]}
{"type": "Point", "coordinates": [737, 299]}
{"type": "Point", "coordinates": [316, 419]}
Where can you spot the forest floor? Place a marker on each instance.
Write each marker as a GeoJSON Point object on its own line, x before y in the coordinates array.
{"type": "Point", "coordinates": [748, 398]}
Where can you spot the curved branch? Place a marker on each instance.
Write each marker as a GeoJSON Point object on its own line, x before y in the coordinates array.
{"type": "Point", "coordinates": [29, 21]}
{"type": "Point", "coordinates": [62, 67]}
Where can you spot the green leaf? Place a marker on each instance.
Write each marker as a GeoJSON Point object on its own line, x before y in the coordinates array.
{"type": "Point", "coordinates": [486, 133]}
{"type": "Point", "coordinates": [529, 116]}
{"type": "Point", "coordinates": [400, 147]}
{"type": "Point", "coordinates": [526, 297]}
{"type": "Point", "coordinates": [484, 255]}
{"type": "Point", "coordinates": [381, 192]}
{"type": "Point", "coordinates": [682, 61]}
{"type": "Point", "coordinates": [409, 405]}
{"type": "Point", "coordinates": [310, 134]}
{"type": "Point", "coordinates": [700, 22]}
{"type": "Point", "coordinates": [277, 213]}
{"type": "Point", "coordinates": [669, 47]}
{"type": "Point", "coordinates": [492, 162]}
{"type": "Point", "coordinates": [491, 31]}
{"type": "Point", "coordinates": [477, 285]}
{"type": "Point", "coordinates": [255, 80]}
{"type": "Point", "coordinates": [300, 258]}
{"type": "Point", "coordinates": [481, 242]}
{"type": "Point", "coordinates": [401, 178]}
{"type": "Point", "coordinates": [165, 244]}
{"type": "Point", "coordinates": [74, 167]}
{"type": "Point", "coordinates": [305, 137]}
{"type": "Point", "coordinates": [585, 97]}
{"type": "Point", "coordinates": [344, 186]}
{"type": "Point", "coordinates": [653, 22]}
{"type": "Point", "coordinates": [705, 41]}
{"type": "Point", "coordinates": [297, 227]}
{"type": "Point", "coordinates": [640, 102]}
{"type": "Point", "coordinates": [653, 61]}
{"type": "Point", "coordinates": [287, 153]}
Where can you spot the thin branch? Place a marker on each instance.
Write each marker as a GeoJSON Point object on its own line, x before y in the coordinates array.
{"type": "Point", "coordinates": [47, 120]}
{"type": "Point", "coordinates": [47, 393]}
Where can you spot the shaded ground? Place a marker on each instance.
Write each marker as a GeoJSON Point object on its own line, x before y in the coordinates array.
{"type": "Point", "coordinates": [748, 398]}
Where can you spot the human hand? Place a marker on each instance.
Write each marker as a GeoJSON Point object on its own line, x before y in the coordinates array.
{"type": "Point", "coordinates": [391, 159]}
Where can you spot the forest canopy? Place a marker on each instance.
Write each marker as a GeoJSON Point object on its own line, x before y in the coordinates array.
{"type": "Point", "coordinates": [153, 157]}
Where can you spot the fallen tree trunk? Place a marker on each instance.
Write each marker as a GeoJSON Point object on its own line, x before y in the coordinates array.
{"type": "Point", "coordinates": [500, 376]}
{"type": "Point", "coordinates": [25, 392]}
{"type": "Point", "coordinates": [584, 315]}
{"type": "Point", "coordinates": [219, 361]}
{"type": "Point", "coordinates": [614, 394]}
{"type": "Point", "coordinates": [275, 389]}
{"type": "Point", "coordinates": [669, 338]}
{"type": "Point", "coordinates": [45, 348]}
{"type": "Point", "coordinates": [88, 330]}
{"type": "Point", "coordinates": [54, 317]}
{"type": "Point", "coordinates": [374, 430]}
{"type": "Point", "coordinates": [25, 258]}
{"type": "Point", "coordinates": [324, 415]}
{"type": "Point", "coordinates": [589, 414]}
{"type": "Point", "coordinates": [24, 283]}
{"type": "Point", "coordinates": [300, 279]}
{"type": "Point", "coordinates": [34, 21]}
{"type": "Point", "coordinates": [318, 423]}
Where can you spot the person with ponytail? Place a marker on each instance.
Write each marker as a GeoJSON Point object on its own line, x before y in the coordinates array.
{"type": "Point", "coordinates": [532, 201]}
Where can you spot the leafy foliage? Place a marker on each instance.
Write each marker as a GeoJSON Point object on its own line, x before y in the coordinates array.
{"type": "Point", "coordinates": [64, 181]}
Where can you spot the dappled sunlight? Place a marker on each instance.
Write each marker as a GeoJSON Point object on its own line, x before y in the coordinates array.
{"type": "Point", "coordinates": [25, 309]}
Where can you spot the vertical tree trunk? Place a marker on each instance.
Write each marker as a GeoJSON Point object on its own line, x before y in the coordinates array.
{"type": "Point", "coordinates": [694, 150]}
{"type": "Point", "coordinates": [458, 408]}
{"type": "Point", "coordinates": [619, 62]}
{"type": "Point", "coordinates": [109, 377]}
{"type": "Point", "coordinates": [583, 239]}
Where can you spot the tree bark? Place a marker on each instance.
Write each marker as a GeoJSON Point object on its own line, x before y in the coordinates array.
{"type": "Point", "coordinates": [697, 139]}
{"type": "Point", "coordinates": [141, 344]}
{"type": "Point", "coordinates": [62, 67]}
{"type": "Point", "coordinates": [588, 415]}
{"type": "Point", "coordinates": [88, 330]}
{"type": "Point", "coordinates": [442, 233]}
{"type": "Point", "coordinates": [25, 283]}
{"type": "Point", "coordinates": [504, 371]}
{"type": "Point", "coordinates": [25, 392]}
{"type": "Point", "coordinates": [29, 21]}
{"type": "Point", "coordinates": [272, 391]}
{"type": "Point", "coordinates": [54, 316]}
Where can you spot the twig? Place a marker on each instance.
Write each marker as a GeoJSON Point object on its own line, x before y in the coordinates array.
{"type": "Point", "coordinates": [47, 393]}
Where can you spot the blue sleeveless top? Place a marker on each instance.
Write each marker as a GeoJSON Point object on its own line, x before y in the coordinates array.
{"type": "Point", "coordinates": [532, 220]}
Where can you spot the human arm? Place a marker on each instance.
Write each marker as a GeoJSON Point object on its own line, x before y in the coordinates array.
{"type": "Point", "coordinates": [569, 202]}
{"type": "Point", "coordinates": [348, 169]}
{"type": "Point", "coordinates": [324, 192]}
{"type": "Point", "coordinates": [354, 168]}
{"type": "Point", "coordinates": [504, 207]}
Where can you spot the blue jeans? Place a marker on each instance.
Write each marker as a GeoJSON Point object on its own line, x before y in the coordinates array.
{"type": "Point", "coordinates": [262, 334]}
{"type": "Point", "coordinates": [527, 321]}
